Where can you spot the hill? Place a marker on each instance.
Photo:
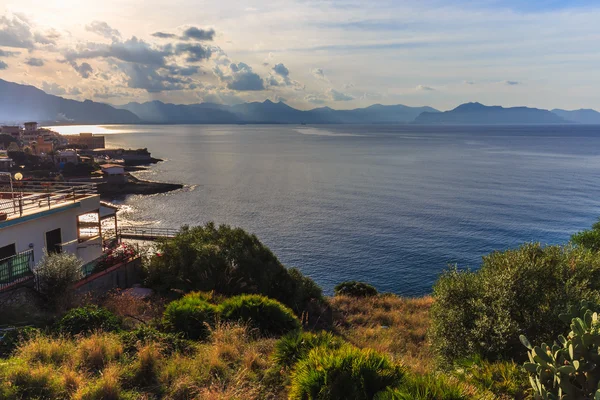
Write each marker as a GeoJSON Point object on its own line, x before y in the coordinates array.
{"type": "Point", "coordinates": [477, 113]}
{"type": "Point", "coordinates": [20, 103]}
{"type": "Point", "coordinates": [581, 116]}
{"type": "Point", "coordinates": [268, 112]}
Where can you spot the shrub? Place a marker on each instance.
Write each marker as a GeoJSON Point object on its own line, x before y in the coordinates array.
{"type": "Point", "coordinates": [514, 292]}
{"type": "Point", "coordinates": [106, 387]}
{"type": "Point", "coordinates": [98, 350]}
{"type": "Point", "coordinates": [56, 273]}
{"type": "Point", "coordinates": [22, 381]}
{"type": "Point", "coordinates": [426, 387]}
{"type": "Point", "coordinates": [229, 261]}
{"type": "Point", "coordinates": [88, 319]}
{"type": "Point", "coordinates": [267, 315]}
{"type": "Point", "coordinates": [355, 289]}
{"type": "Point", "coordinates": [190, 315]}
{"type": "Point", "coordinates": [46, 350]}
{"type": "Point", "coordinates": [295, 346]}
{"type": "Point", "coordinates": [11, 339]}
{"type": "Point", "coordinates": [505, 379]}
{"type": "Point", "coordinates": [144, 334]}
{"type": "Point", "coordinates": [347, 373]}
{"type": "Point", "coordinates": [568, 369]}
{"type": "Point", "coordinates": [589, 239]}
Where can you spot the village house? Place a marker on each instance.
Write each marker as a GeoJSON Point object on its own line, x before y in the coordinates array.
{"type": "Point", "coordinates": [49, 216]}
{"type": "Point", "coordinates": [87, 140]}
{"type": "Point", "coordinates": [113, 173]}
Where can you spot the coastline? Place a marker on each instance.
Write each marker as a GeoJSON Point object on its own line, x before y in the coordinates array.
{"type": "Point", "coordinates": [109, 191]}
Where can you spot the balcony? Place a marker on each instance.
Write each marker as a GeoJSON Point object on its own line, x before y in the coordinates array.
{"type": "Point", "coordinates": [16, 269]}
{"type": "Point", "coordinates": [22, 198]}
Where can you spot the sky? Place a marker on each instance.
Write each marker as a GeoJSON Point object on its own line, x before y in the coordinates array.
{"type": "Point", "coordinates": [308, 53]}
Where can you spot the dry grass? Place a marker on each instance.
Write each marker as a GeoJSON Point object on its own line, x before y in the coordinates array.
{"type": "Point", "coordinates": [133, 310]}
{"type": "Point", "coordinates": [389, 324]}
{"type": "Point", "coordinates": [98, 350]}
{"type": "Point", "coordinates": [46, 350]}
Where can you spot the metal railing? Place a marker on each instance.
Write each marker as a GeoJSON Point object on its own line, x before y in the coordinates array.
{"type": "Point", "coordinates": [146, 233]}
{"type": "Point", "coordinates": [16, 268]}
{"type": "Point", "coordinates": [30, 196]}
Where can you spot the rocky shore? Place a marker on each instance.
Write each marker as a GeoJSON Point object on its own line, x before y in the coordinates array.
{"type": "Point", "coordinates": [134, 186]}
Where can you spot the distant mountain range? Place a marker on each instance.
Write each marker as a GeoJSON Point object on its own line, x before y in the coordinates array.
{"type": "Point", "coordinates": [19, 103]}
{"type": "Point", "coordinates": [268, 112]}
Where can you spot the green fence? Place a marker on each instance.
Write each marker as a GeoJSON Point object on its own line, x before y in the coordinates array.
{"type": "Point", "coordinates": [16, 268]}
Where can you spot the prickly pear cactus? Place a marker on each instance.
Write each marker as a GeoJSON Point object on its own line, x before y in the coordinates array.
{"type": "Point", "coordinates": [570, 368]}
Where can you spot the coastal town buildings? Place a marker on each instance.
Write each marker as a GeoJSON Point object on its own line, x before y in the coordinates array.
{"type": "Point", "coordinates": [87, 140]}
{"type": "Point", "coordinates": [55, 217]}
{"type": "Point", "coordinates": [113, 173]}
{"type": "Point", "coordinates": [14, 131]}
{"type": "Point", "coordinates": [63, 157]}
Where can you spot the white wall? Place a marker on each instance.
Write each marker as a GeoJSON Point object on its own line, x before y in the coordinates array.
{"type": "Point", "coordinates": [34, 232]}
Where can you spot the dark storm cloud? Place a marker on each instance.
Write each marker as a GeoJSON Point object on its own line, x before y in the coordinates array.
{"type": "Point", "coordinates": [84, 70]}
{"type": "Point", "coordinates": [132, 50]}
{"type": "Point", "coordinates": [240, 77]}
{"type": "Point", "coordinates": [151, 79]}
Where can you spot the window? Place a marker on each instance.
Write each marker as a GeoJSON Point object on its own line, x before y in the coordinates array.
{"type": "Point", "coordinates": [8, 251]}
{"type": "Point", "coordinates": [88, 226]}
{"type": "Point", "coordinates": [54, 241]}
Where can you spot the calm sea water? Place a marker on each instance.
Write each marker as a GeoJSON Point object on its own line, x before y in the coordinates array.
{"type": "Point", "coordinates": [390, 205]}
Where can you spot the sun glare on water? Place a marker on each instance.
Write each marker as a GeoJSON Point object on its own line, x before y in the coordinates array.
{"type": "Point", "coordinates": [96, 129]}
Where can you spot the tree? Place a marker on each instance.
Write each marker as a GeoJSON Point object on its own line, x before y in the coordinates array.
{"type": "Point", "coordinates": [229, 261]}
{"type": "Point", "coordinates": [589, 239]}
{"type": "Point", "coordinates": [56, 273]}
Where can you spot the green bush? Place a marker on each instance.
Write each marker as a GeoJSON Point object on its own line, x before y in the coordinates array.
{"type": "Point", "coordinates": [426, 387]}
{"type": "Point", "coordinates": [569, 368]}
{"type": "Point", "coordinates": [191, 315]}
{"type": "Point", "coordinates": [89, 319]}
{"type": "Point", "coordinates": [589, 239]}
{"type": "Point", "coordinates": [515, 292]}
{"type": "Point", "coordinates": [346, 373]}
{"type": "Point", "coordinates": [56, 273]}
{"type": "Point", "coordinates": [10, 339]}
{"type": "Point", "coordinates": [229, 261]}
{"type": "Point", "coordinates": [295, 346]}
{"type": "Point", "coordinates": [267, 315]}
{"type": "Point", "coordinates": [355, 289]}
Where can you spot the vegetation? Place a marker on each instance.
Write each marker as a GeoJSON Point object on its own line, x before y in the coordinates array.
{"type": "Point", "coordinates": [267, 315]}
{"type": "Point", "coordinates": [192, 316]}
{"type": "Point", "coordinates": [589, 239]}
{"type": "Point", "coordinates": [56, 273]}
{"type": "Point", "coordinates": [569, 368]}
{"type": "Point", "coordinates": [346, 373]}
{"type": "Point", "coordinates": [515, 292]}
{"type": "Point", "coordinates": [355, 289]}
{"type": "Point", "coordinates": [88, 319]}
{"type": "Point", "coordinates": [230, 262]}
{"type": "Point", "coordinates": [235, 341]}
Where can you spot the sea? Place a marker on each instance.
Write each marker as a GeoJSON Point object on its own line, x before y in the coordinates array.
{"type": "Point", "coordinates": [390, 205]}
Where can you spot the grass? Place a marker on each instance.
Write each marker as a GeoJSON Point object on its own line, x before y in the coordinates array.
{"type": "Point", "coordinates": [388, 324]}
{"type": "Point", "coordinates": [235, 362]}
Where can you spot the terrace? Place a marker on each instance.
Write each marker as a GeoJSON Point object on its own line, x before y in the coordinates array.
{"type": "Point", "coordinates": [22, 198]}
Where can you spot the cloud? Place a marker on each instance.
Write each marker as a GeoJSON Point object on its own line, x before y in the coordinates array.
{"type": "Point", "coordinates": [512, 83]}
{"type": "Point", "coordinates": [240, 77]}
{"type": "Point", "coordinates": [164, 35]}
{"type": "Point", "coordinates": [318, 73]}
{"type": "Point", "coordinates": [315, 98]}
{"type": "Point", "coordinates": [53, 88]}
{"type": "Point", "coordinates": [35, 62]}
{"type": "Point", "coordinates": [152, 79]}
{"type": "Point", "coordinates": [103, 29]}
{"type": "Point", "coordinates": [4, 53]}
{"type": "Point", "coordinates": [50, 37]}
{"type": "Point", "coordinates": [132, 50]}
{"type": "Point", "coordinates": [84, 70]}
{"type": "Point", "coordinates": [74, 91]}
{"type": "Point", "coordinates": [195, 52]}
{"type": "Point", "coordinates": [425, 88]}
{"type": "Point", "coordinates": [338, 96]}
{"type": "Point", "coordinates": [193, 33]}
{"type": "Point", "coordinates": [16, 32]}
{"type": "Point", "coordinates": [469, 82]}
{"type": "Point", "coordinates": [281, 70]}
{"type": "Point", "coordinates": [3, 65]}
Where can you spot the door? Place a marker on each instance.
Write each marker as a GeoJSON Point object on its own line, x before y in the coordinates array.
{"type": "Point", "coordinates": [8, 251]}
{"type": "Point", "coordinates": [53, 241]}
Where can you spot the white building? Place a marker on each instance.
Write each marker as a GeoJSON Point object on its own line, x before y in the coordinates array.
{"type": "Point", "coordinates": [53, 217]}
